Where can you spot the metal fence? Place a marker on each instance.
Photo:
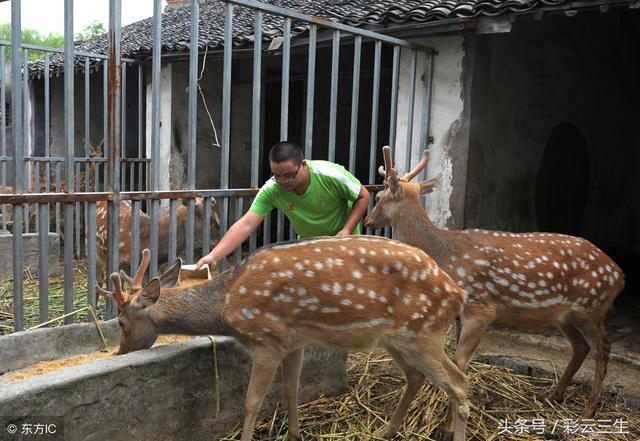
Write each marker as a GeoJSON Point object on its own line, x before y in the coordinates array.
{"type": "Point", "coordinates": [107, 179]}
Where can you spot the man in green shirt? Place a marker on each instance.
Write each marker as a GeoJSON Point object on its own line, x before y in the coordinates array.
{"type": "Point", "coordinates": [320, 198]}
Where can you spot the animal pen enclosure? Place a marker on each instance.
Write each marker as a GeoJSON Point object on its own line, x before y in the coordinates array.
{"type": "Point", "coordinates": [111, 145]}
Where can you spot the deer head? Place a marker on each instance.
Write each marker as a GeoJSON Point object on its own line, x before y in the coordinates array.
{"type": "Point", "coordinates": [133, 304]}
{"type": "Point", "coordinates": [398, 193]}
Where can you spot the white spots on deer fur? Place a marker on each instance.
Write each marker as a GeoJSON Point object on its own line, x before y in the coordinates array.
{"type": "Point", "coordinates": [608, 268]}
{"type": "Point", "coordinates": [501, 281]}
{"type": "Point", "coordinates": [372, 269]}
{"type": "Point", "coordinates": [461, 272]}
{"type": "Point", "coordinates": [362, 250]}
{"type": "Point", "coordinates": [283, 298]}
{"type": "Point", "coordinates": [356, 274]}
{"type": "Point", "coordinates": [481, 262]}
{"type": "Point", "coordinates": [361, 291]}
{"type": "Point", "coordinates": [372, 294]}
{"type": "Point", "coordinates": [362, 260]}
{"type": "Point", "coordinates": [301, 291]}
{"type": "Point", "coordinates": [329, 310]}
{"type": "Point", "coordinates": [121, 244]}
{"type": "Point", "coordinates": [337, 289]}
{"type": "Point", "coordinates": [309, 274]}
{"type": "Point", "coordinates": [276, 260]}
{"type": "Point", "coordinates": [407, 299]}
{"type": "Point", "coordinates": [351, 253]}
{"type": "Point", "coordinates": [556, 265]}
{"type": "Point", "coordinates": [325, 287]}
{"type": "Point", "coordinates": [542, 283]}
{"type": "Point", "coordinates": [249, 314]}
{"type": "Point", "coordinates": [514, 288]}
{"type": "Point", "coordinates": [359, 306]}
{"type": "Point", "coordinates": [346, 302]}
{"type": "Point", "coordinates": [273, 317]}
{"type": "Point", "coordinates": [384, 270]}
{"type": "Point", "coordinates": [298, 266]}
{"type": "Point", "coordinates": [550, 275]}
{"type": "Point", "coordinates": [592, 257]}
{"type": "Point", "coordinates": [318, 266]}
{"type": "Point", "coordinates": [268, 282]}
{"type": "Point", "coordinates": [242, 289]}
{"type": "Point", "coordinates": [349, 287]}
{"type": "Point", "coordinates": [317, 250]}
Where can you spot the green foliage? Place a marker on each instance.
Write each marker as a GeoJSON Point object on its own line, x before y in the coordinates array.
{"type": "Point", "coordinates": [92, 30]}
{"type": "Point", "coordinates": [52, 39]}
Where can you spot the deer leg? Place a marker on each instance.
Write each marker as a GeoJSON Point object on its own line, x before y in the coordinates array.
{"type": "Point", "coordinates": [291, 367]}
{"type": "Point", "coordinates": [596, 336]}
{"type": "Point", "coordinates": [434, 363]}
{"type": "Point", "coordinates": [473, 327]}
{"type": "Point", "coordinates": [415, 379]}
{"type": "Point", "coordinates": [265, 364]}
{"type": "Point", "coordinates": [580, 349]}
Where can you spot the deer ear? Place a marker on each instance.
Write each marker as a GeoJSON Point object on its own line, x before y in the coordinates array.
{"type": "Point", "coordinates": [150, 294]}
{"type": "Point", "coordinates": [428, 185]}
{"type": "Point", "coordinates": [171, 276]}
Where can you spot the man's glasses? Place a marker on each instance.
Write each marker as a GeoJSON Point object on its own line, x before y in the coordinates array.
{"type": "Point", "coordinates": [287, 177]}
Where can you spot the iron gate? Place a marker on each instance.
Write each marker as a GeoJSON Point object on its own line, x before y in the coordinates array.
{"type": "Point", "coordinates": [40, 178]}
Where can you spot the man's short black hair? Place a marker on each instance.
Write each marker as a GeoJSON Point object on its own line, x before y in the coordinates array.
{"type": "Point", "coordinates": [286, 151]}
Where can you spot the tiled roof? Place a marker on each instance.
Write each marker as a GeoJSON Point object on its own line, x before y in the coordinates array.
{"type": "Point", "coordinates": [137, 38]}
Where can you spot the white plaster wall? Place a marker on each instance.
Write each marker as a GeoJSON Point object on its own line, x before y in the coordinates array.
{"type": "Point", "coordinates": [165, 125]}
{"type": "Point", "coordinates": [446, 113]}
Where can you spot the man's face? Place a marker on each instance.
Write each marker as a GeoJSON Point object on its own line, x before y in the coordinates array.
{"type": "Point", "coordinates": [286, 173]}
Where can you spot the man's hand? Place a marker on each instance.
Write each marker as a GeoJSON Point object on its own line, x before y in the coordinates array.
{"type": "Point", "coordinates": [343, 232]}
{"type": "Point", "coordinates": [206, 260]}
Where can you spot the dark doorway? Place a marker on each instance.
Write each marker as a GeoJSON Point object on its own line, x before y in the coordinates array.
{"type": "Point", "coordinates": [562, 183]}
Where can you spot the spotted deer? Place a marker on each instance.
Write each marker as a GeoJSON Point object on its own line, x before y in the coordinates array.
{"type": "Point", "coordinates": [351, 292]}
{"type": "Point", "coordinates": [530, 280]}
{"type": "Point", "coordinates": [145, 231]}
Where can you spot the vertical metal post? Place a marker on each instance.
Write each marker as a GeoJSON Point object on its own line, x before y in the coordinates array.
{"type": "Point", "coordinates": [311, 86]}
{"type": "Point", "coordinates": [91, 254]}
{"type": "Point", "coordinates": [393, 114]}
{"type": "Point", "coordinates": [47, 122]}
{"type": "Point", "coordinates": [43, 263]}
{"type": "Point", "coordinates": [141, 90]}
{"type": "Point", "coordinates": [355, 96]}
{"type": "Point", "coordinates": [173, 229]}
{"type": "Point", "coordinates": [192, 127]}
{"type": "Point", "coordinates": [105, 118]}
{"type": "Point", "coordinates": [18, 164]}
{"type": "Point", "coordinates": [286, 61]}
{"type": "Point", "coordinates": [374, 111]}
{"type": "Point", "coordinates": [25, 136]}
{"type": "Point", "coordinates": [333, 105]}
{"type": "Point", "coordinates": [87, 111]}
{"type": "Point", "coordinates": [136, 208]}
{"type": "Point", "coordinates": [155, 132]}
{"type": "Point", "coordinates": [412, 98]}
{"type": "Point", "coordinates": [255, 112]}
{"type": "Point", "coordinates": [226, 117]}
{"type": "Point", "coordinates": [3, 134]}
{"type": "Point", "coordinates": [426, 105]}
{"type": "Point", "coordinates": [114, 137]}
{"type": "Point", "coordinates": [68, 154]}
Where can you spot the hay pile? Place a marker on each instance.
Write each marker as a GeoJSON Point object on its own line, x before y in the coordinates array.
{"type": "Point", "coordinates": [496, 394]}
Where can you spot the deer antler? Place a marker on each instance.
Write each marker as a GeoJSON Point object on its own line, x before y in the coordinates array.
{"type": "Point", "coordinates": [136, 282]}
{"type": "Point", "coordinates": [118, 295]}
{"type": "Point", "coordinates": [390, 172]}
{"type": "Point", "coordinates": [418, 168]}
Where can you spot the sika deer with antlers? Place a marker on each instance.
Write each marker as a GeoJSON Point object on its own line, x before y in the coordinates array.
{"type": "Point", "coordinates": [526, 280]}
{"type": "Point", "coordinates": [351, 292]}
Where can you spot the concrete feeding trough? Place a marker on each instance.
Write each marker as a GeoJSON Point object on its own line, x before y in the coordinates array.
{"type": "Point", "coordinates": [166, 392]}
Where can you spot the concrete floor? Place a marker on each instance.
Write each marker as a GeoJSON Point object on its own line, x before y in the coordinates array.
{"type": "Point", "coordinates": [548, 352]}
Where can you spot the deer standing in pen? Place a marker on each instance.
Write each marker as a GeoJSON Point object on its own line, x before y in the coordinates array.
{"type": "Point", "coordinates": [529, 280]}
{"type": "Point", "coordinates": [145, 231]}
{"type": "Point", "coordinates": [351, 292]}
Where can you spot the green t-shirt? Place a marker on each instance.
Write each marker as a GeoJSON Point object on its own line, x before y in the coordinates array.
{"type": "Point", "coordinates": [322, 210]}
